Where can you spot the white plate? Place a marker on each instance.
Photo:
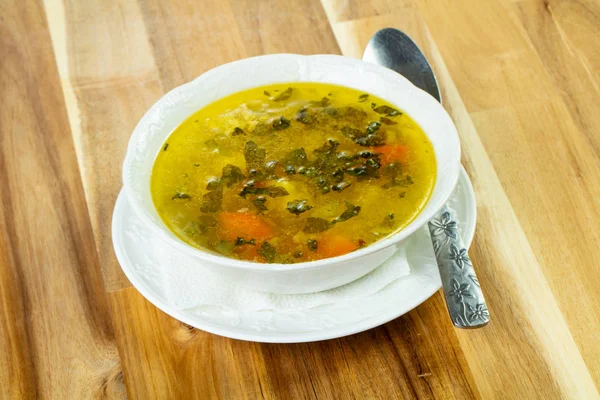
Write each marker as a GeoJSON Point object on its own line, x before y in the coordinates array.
{"type": "Point", "coordinates": [295, 325]}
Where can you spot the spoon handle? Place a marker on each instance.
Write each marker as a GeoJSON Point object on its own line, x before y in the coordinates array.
{"type": "Point", "coordinates": [464, 298]}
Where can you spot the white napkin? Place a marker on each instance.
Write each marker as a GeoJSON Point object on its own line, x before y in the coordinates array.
{"type": "Point", "coordinates": [187, 286]}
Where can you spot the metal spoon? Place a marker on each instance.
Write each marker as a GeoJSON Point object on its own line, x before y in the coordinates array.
{"type": "Point", "coordinates": [393, 49]}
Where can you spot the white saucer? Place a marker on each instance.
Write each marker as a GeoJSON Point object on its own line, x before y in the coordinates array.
{"type": "Point", "coordinates": [292, 325]}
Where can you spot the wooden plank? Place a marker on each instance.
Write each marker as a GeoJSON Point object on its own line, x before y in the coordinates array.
{"type": "Point", "coordinates": [109, 80]}
{"type": "Point", "coordinates": [415, 356]}
{"type": "Point", "coordinates": [489, 58]}
{"type": "Point", "coordinates": [56, 338]}
{"type": "Point", "coordinates": [499, 228]}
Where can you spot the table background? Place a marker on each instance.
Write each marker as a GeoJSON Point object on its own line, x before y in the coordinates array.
{"type": "Point", "coordinates": [521, 80]}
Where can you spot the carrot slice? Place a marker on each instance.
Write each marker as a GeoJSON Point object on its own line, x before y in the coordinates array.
{"type": "Point", "coordinates": [245, 225]}
{"type": "Point", "coordinates": [393, 152]}
{"type": "Point", "coordinates": [335, 245]}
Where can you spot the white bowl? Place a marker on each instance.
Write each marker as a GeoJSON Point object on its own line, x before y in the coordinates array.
{"type": "Point", "coordinates": [173, 108]}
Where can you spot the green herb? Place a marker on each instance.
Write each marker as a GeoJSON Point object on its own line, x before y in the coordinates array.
{"type": "Point", "coordinates": [271, 191]}
{"type": "Point", "coordinates": [237, 131]}
{"type": "Point", "coordinates": [298, 254]}
{"type": "Point", "coordinates": [286, 94]}
{"type": "Point", "coordinates": [340, 186]}
{"type": "Point", "coordinates": [376, 139]}
{"type": "Point", "coordinates": [312, 244]}
{"type": "Point", "coordinates": [373, 105]}
{"type": "Point", "coordinates": [196, 165]}
{"type": "Point", "coordinates": [315, 225]}
{"type": "Point", "coordinates": [261, 129]}
{"type": "Point", "coordinates": [297, 207]}
{"type": "Point", "coordinates": [294, 160]}
{"type": "Point", "coordinates": [180, 195]}
{"type": "Point", "coordinates": [240, 241]}
{"type": "Point", "coordinates": [259, 203]}
{"type": "Point", "coordinates": [305, 116]}
{"type": "Point", "coordinates": [254, 155]}
{"type": "Point", "coordinates": [281, 123]}
{"type": "Point", "coordinates": [324, 101]}
{"type": "Point", "coordinates": [267, 93]}
{"type": "Point", "coordinates": [389, 111]}
{"type": "Point", "coordinates": [362, 98]}
{"type": "Point", "coordinates": [213, 184]}
{"type": "Point", "coordinates": [389, 220]}
{"type": "Point", "coordinates": [402, 195]}
{"type": "Point", "coordinates": [166, 147]}
{"type": "Point", "coordinates": [351, 211]}
{"type": "Point", "coordinates": [232, 175]}
{"type": "Point", "coordinates": [267, 251]}
{"type": "Point", "coordinates": [373, 127]}
{"type": "Point", "coordinates": [212, 201]}
{"type": "Point", "coordinates": [387, 121]}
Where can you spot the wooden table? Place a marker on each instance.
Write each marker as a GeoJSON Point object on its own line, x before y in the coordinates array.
{"type": "Point", "coordinates": [521, 80]}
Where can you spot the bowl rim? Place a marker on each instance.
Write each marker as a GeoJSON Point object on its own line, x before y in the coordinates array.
{"type": "Point", "coordinates": [418, 94]}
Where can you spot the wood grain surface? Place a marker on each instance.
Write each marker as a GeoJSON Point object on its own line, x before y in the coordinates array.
{"type": "Point", "coordinates": [520, 78]}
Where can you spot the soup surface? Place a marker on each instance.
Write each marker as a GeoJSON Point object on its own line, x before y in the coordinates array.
{"type": "Point", "coordinates": [292, 173]}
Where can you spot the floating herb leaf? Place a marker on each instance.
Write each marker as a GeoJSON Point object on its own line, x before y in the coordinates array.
{"type": "Point", "coordinates": [267, 251]}
{"type": "Point", "coordinates": [180, 195]}
{"type": "Point", "coordinates": [196, 165]}
{"type": "Point", "coordinates": [312, 244]}
{"type": "Point", "coordinates": [340, 186]}
{"type": "Point", "coordinates": [281, 123]}
{"type": "Point", "coordinates": [305, 116]}
{"type": "Point", "coordinates": [237, 131]}
{"type": "Point", "coordinates": [387, 110]}
{"type": "Point", "coordinates": [267, 93]}
{"type": "Point", "coordinates": [315, 225]}
{"type": "Point", "coordinates": [363, 97]}
{"type": "Point", "coordinates": [240, 241]}
{"type": "Point", "coordinates": [271, 191]}
{"type": "Point", "coordinates": [166, 147]}
{"type": "Point", "coordinates": [259, 203]}
{"type": "Point", "coordinates": [373, 127]}
{"type": "Point", "coordinates": [254, 155]}
{"type": "Point", "coordinates": [212, 201]}
{"type": "Point", "coordinates": [297, 207]}
{"type": "Point", "coordinates": [387, 121]}
{"type": "Point", "coordinates": [389, 220]}
{"type": "Point", "coordinates": [376, 139]}
{"type": "Point", "coordinates": [402, 195]}
{"type": "Point", "coordinates": [213, 184]}
{"type": "Point", "coordinates": [351, 211]}
{"type": "Point", "coordinates": [232, 175]}
{"type": "Point", "coordinates": [286, 94]}
{"type": "Point", "coordinates": [324, 101]}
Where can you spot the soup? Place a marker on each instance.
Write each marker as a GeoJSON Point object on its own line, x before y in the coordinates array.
{"type": "Point", "coordinates": [292, 173]}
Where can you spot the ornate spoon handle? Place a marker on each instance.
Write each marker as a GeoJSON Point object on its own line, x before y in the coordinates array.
{"type": "Point", "coordinates": [464, 298]}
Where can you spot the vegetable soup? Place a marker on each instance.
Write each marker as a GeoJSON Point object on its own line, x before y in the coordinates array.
{"type": "Point", "coordinates": [292, 173]}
